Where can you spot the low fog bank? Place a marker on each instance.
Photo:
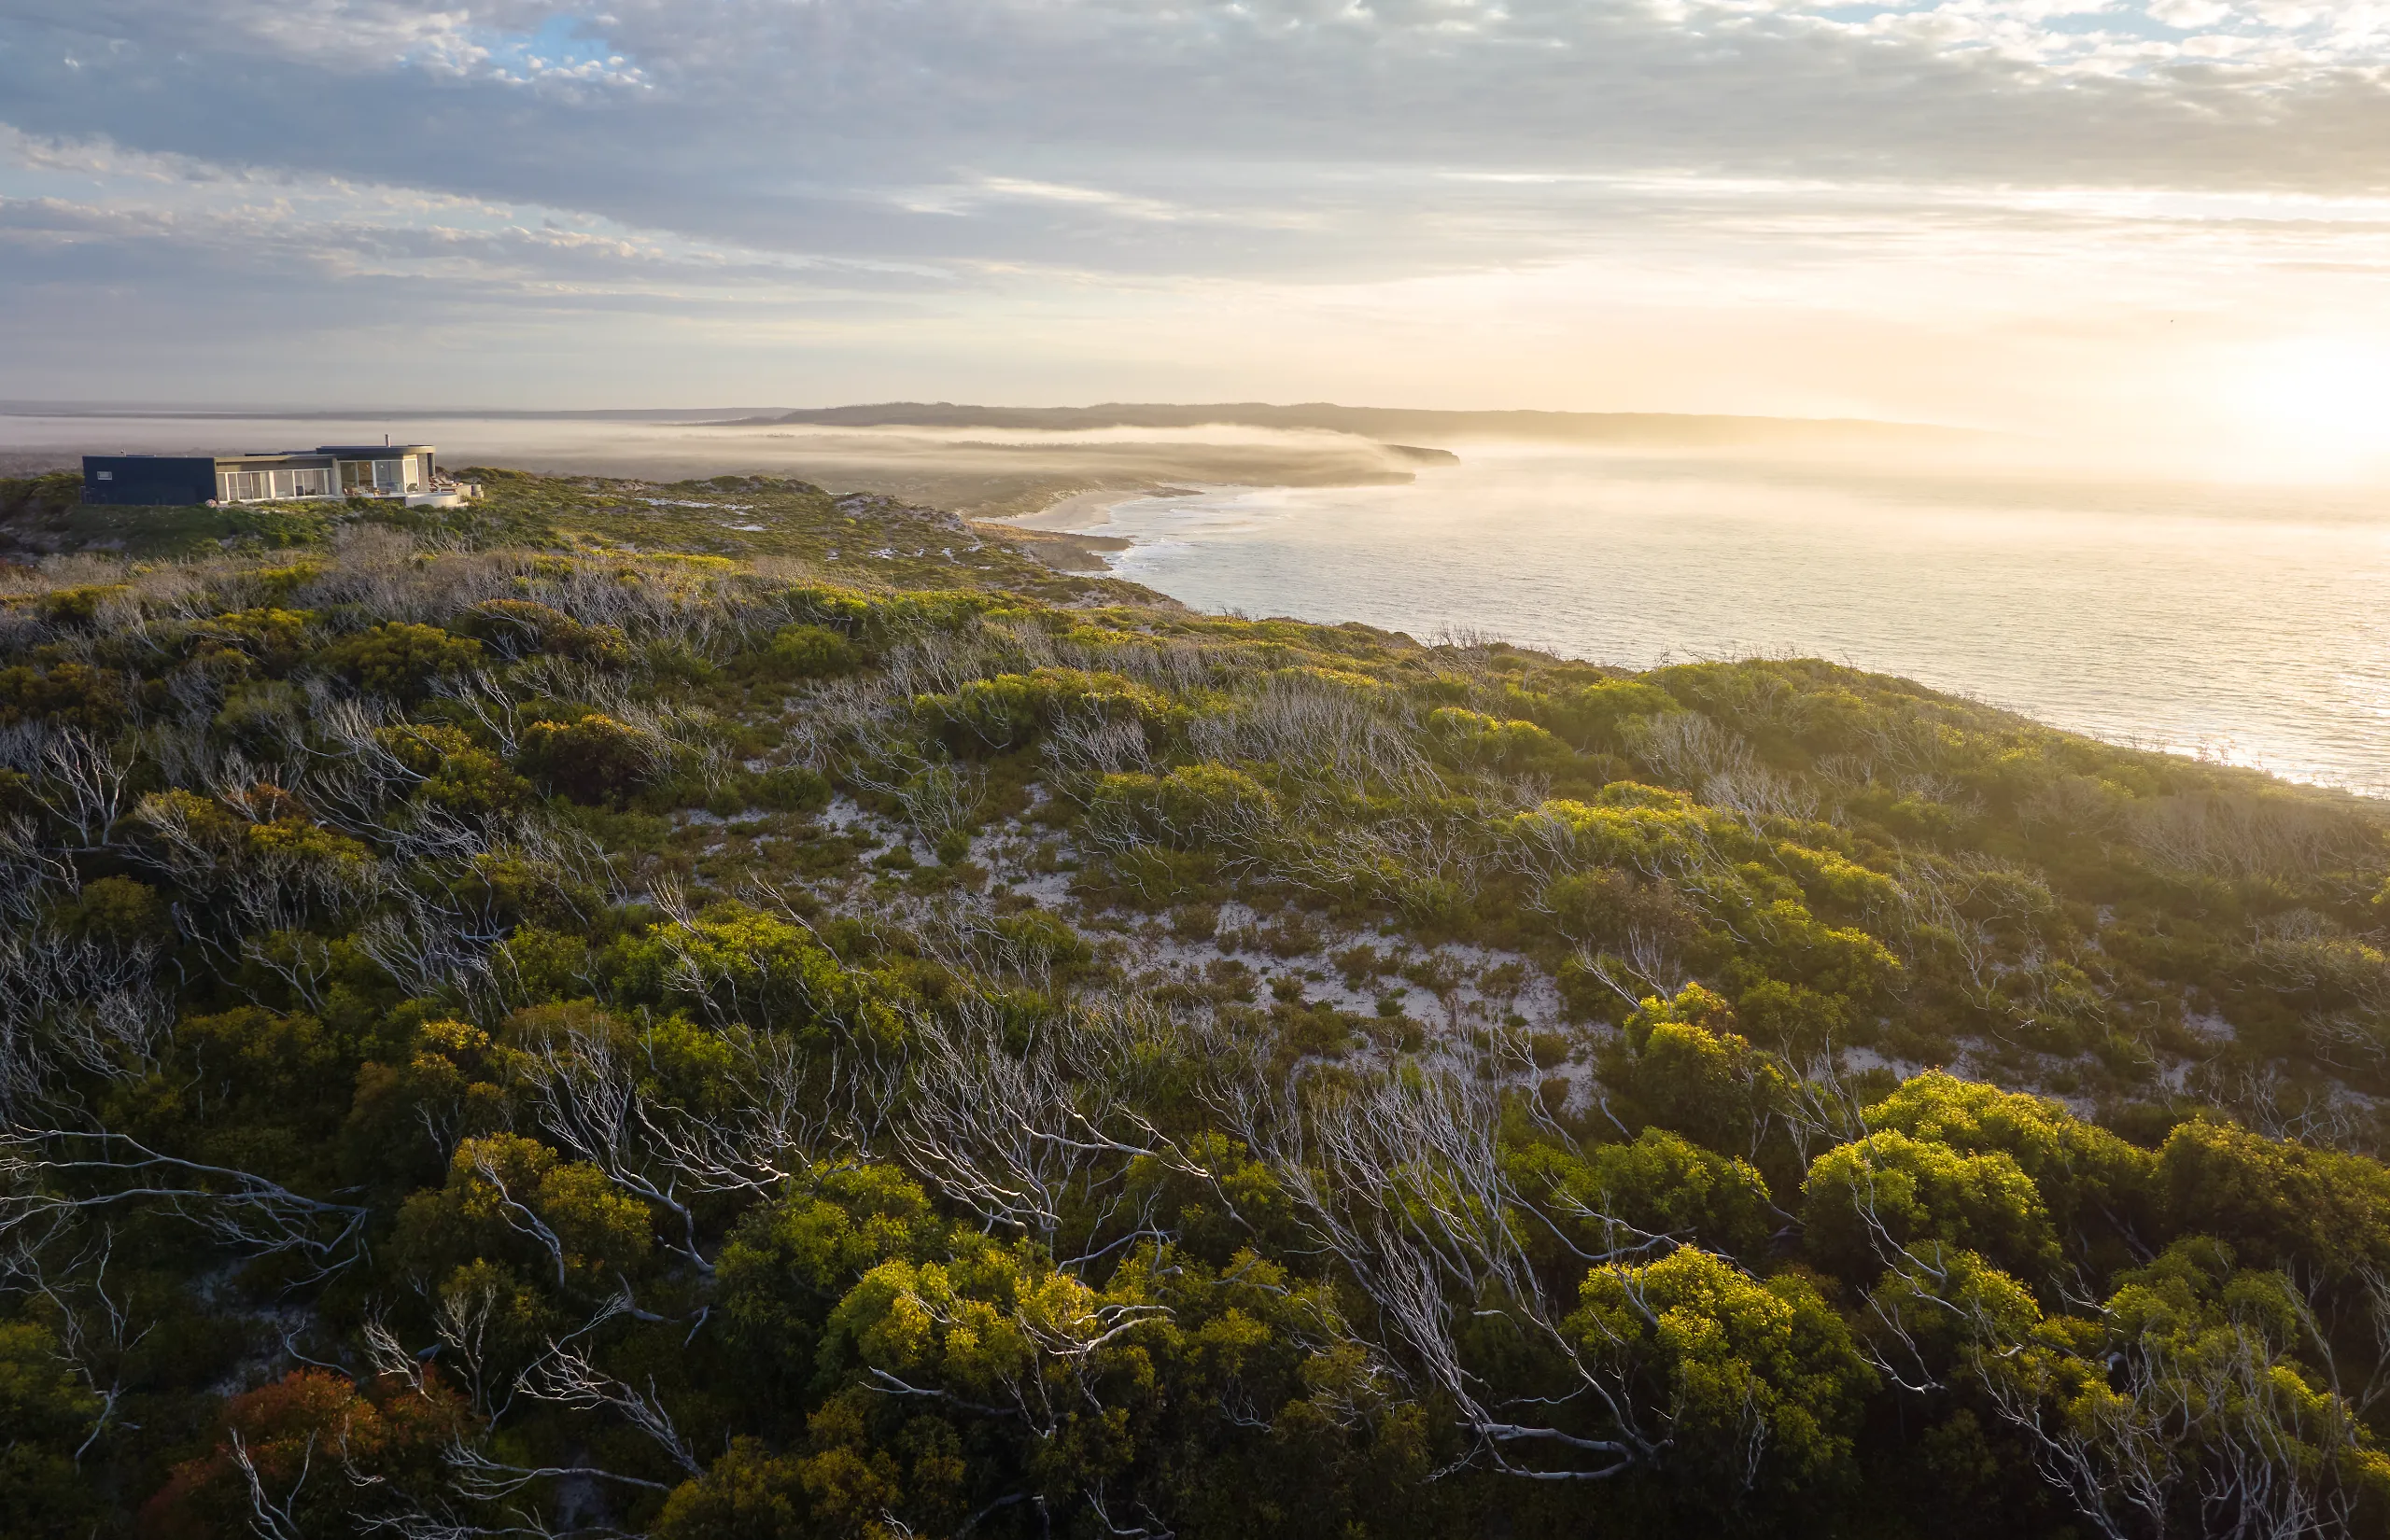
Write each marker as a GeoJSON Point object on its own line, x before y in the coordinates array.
{"type": "Point", "coordinates": [1639, 430]}
{"type": "Point", "coordinates": [986, 474]}
{"type": "Point", "coordinates": [1005, 462]}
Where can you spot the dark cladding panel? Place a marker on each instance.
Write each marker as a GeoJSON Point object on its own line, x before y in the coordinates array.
{"type": "Point", "coordinates": [152, 480]}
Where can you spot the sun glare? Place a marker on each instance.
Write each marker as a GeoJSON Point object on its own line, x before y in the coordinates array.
{"type": "Point", "coordinates": [2323, 402]}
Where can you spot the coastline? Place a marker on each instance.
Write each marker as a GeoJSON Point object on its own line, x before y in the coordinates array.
{"type": "Point", "coordinates": [1079, 511]}
{"type": "Point", "coordinates": [1063, 533]}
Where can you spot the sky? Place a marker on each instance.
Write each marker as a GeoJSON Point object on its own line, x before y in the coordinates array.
{"type": "Point", "coordinates": [2160, 223]}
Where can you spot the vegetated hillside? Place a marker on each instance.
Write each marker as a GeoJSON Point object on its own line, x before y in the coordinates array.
{"type": "Point", "coordinates": [865, 537]}
{"type": "Point", "coordinates": [506, 1032]}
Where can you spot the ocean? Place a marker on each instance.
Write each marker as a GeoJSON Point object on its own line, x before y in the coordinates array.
{"type": "Point", "coordinates": [2245, 623]}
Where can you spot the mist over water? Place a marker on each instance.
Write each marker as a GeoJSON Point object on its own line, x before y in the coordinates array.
{"type": "Point", "coordinates": [2247, 623]}
{"type": "Point", "coordinates": [972, 470]}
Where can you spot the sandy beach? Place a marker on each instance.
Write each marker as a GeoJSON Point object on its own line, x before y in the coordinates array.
{"type": "Point", "coordinates": [1064, 532]}
{"type": "Point", "coordinates": [1093, 509]}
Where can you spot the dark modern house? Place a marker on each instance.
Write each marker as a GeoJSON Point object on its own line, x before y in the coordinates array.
{"type": "Point", "coordinates": [328, 470]}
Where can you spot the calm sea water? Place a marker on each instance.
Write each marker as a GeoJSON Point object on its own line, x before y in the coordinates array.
{"type": "Point", "coordinates": [2251, 624]}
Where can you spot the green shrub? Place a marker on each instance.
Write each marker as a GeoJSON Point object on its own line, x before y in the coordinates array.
{"type": "Point", "coordinates": [1471, 738]}
{"type": "Point", "coordinates": [810, 651]}
{"type": "Point", "coordinates": [118, 909]}
{"type": "Point", "coordinates": [66, 694]}
{"type": "Point", "coordinates": [520, 626]}
{"type": "Point", "coordinates": [2280, 1203]}
{"type": "Point", "coordinates": [1036, 940]}
{"type": "Point", "coordinates": [1006, 711]}
{"type": "Point", "coordinates": [78, 605]}
{"type": "Point", "coordinates": [1683, 1065]}
{"type": "Point", "coordinates": [457, 774]}
{"type": "Point", "coordinates": [275, 640]}
{"type": "Point", "coordinates": [1890, 1191]}
{"type": "Point", "coordinates": [51, 495]}
{"type": "Point", "coordinates": [1588, 716]}
{"type": "Point", "coordinates": [795, 789]}
{"type": "Point", "coordinates": [1661, 1185]}
{"type": "Point", "coordinates": [2086, 1174]}
{"type": "Point", "coordinates": [875, 619]}
{"type": "Point", "coordinates": [1758, 1383]}
{"type": "Point", "coordinates": [594, 760]}
{"type": "Point", "coordinates": [400, 658]}
{"type": "Point", "coordinates": [1192, 806]}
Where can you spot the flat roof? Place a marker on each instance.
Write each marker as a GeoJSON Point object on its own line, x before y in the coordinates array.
{"type": "Point", "coordinates": [284, 456]}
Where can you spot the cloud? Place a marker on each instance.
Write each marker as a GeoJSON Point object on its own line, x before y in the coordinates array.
{"type": "Point", "coordinates": [796, 167]}
{"type": "Point", "coordinates": [760, 102]}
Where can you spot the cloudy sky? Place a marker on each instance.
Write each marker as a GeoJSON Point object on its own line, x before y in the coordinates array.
{"type": "Point", "coordinates": [2140, 217]}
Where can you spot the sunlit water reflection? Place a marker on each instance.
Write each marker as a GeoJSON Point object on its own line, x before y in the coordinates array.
{"type": "Point", "coordinates": [2250, 625]}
